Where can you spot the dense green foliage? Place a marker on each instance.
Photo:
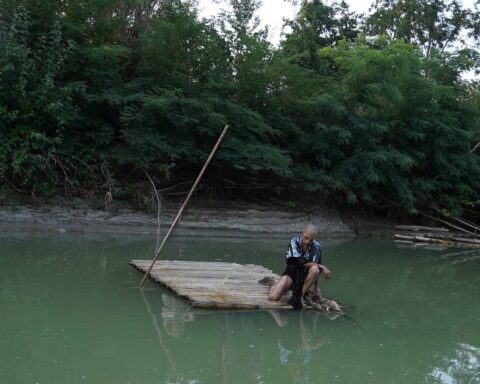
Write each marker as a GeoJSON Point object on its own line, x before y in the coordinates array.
{"type": "Point", "coordinates": [372, 110]}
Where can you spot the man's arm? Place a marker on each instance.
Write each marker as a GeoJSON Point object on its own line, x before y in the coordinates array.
{"type": "Point", "coordinates": [316, 292]}
{"type": "Point", "coordinates": [326, 272]}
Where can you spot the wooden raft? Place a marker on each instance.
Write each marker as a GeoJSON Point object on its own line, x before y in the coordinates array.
{"type": "Point", "coordinates": [215, 284]}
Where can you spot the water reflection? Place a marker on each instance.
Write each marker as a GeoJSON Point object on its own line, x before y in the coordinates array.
{"type": "Point", "coordinates": [173, 317]}
{"type": "Point", "coordinates": [175, 314]}
{"type": "Point", "coordinates": [298, 352]}
{"type": "Point", "coordinates": [463, 367]}
{"type": "Point", "coordinates": [247, 343]}
{"type": "Point", "coordinates": [72, 313]}
{"type": "Point", "coordinates": [393, 291]}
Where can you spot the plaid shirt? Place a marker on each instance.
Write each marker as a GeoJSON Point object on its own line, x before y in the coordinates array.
{"type": "Point", "coordinates": [312, 255]}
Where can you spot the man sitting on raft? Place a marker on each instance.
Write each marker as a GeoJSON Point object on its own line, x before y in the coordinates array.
{"type": "Point", "coordinates": [304, 265]}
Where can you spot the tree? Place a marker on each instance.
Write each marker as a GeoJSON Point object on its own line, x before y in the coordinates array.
{"type": "Point", "coordinates": [36, 103]}
{"type": "Point", "coordinates": [95, 93]}
{"type": "Point", "coordinates": [185, 92]}
{"type": "Point", "coordinates": [436, 26]}
{"type": "Point", "coordinates": [317, 25]}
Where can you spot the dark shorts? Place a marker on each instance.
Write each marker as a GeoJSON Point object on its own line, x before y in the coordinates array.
{"type": "Point", "coordinates": [296, 273]}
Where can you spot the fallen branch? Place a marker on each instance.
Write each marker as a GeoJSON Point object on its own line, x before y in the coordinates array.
{"type": "Point", "coordinates": [474, 148]}
{"type": "Point", "coordinates": [466, 240]}
{"type": "Point", "coordinates": [56, 159]}
{"type": "Point", "coordinates": [466, 243]}
{"type": "Point", "coordinates": [446, 223]}
{"type": "Point", "coordinates": [159, 206]}
{"type": "Point", "coordinates": [11, 184]}
{"type": "Point", "coordinates": [421, 228]}
{"type": "Point", "coordinates": [461, 221]}
{"type": "Point", "coordinates": [108, 194]}
{"type": "Point", "coordinates": [476, 228]}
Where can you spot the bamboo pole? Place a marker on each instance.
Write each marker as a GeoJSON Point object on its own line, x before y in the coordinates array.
{"type": "Point", "coordinates": [205, 166]}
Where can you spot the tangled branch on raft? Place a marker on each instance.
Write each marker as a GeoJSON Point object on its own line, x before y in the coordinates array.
{"type": "Point", "coordinates": [320, 304]}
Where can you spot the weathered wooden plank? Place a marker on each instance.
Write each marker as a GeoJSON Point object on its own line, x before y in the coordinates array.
{"type": "Point", "coordinates": [213, 266]}
{"type": "Point", "coordinates": [209, 264]}
{"type": "Point", "coordinates": [188, 267]}
{"type": "Point", "coordinates": [215, 284]}
{"type": "Point", "coordinates": [210, 274]}
{"type": "Point", "coordinates": [204, 270]}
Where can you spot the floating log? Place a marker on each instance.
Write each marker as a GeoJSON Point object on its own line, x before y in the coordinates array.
{"type": "Point", "coordinates": [404, 242]}
{"type": "Point", "coordinates": [404, 237]}
{"type": "Point", "coordinates": [447, 240]}
{"type": "Point", "coordinates": [466, 240]}
{"type": "Point", "coordinates": [456, 227]}
{"type": "Point", "coordinates": [420, 228]}
{"type": "Point", "coordinates": [458, 237]}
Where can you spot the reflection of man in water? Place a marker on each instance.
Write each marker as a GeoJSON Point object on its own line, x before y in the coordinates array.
{"type": "Point", "coordinates": [175, 313]}
{"type": "Point", "coordinates": [296, 353]}
{"type": "Point", "coordinates": [303, 268]}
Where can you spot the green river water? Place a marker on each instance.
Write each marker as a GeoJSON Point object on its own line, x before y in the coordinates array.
{"type": "Point", "coordinates": [71, 313]}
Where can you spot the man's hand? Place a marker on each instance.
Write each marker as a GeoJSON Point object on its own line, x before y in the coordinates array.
{"type": "Point", "coordinates": [327, 273]}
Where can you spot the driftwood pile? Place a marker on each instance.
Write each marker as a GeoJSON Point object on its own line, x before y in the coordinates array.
{"type": "Point", "coordinates": [438, 236]}
{"type": "Point", "coordinates": [320, 304]}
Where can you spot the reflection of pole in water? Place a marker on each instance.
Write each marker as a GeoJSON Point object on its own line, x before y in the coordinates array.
{"type": "Point", "coordinates": [159, 333]}
{"type": "Point", "coordinates": [103, 262]}
{"type": "Point", "coordinates": [224, 366]}
{"type": "Point", "coordinates": [224, 352]}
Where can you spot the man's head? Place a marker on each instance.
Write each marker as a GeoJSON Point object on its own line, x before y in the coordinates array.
{"type": "Point", "coordinates": [309, 234]}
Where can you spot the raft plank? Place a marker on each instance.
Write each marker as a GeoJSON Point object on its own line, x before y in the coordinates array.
{"type": "Point", "coordinates": [218, 285]}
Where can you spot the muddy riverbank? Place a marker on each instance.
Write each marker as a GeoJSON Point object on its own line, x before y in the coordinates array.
{"type": "Point", "coordinates": [234, 218]}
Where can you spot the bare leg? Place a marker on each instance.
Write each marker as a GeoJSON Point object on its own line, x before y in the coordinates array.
{"type": "Point", "coordinates": [277, 290]}
{"type": "Point", "coordinates": [312, 277]}
{"type": "Point", "coordinates": [317, 293]}
{"type": "Point", "coordinates": [279, 317]}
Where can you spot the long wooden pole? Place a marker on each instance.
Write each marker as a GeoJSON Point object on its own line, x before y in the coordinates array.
{"type": "Point", "coordinates": [205, 166]}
